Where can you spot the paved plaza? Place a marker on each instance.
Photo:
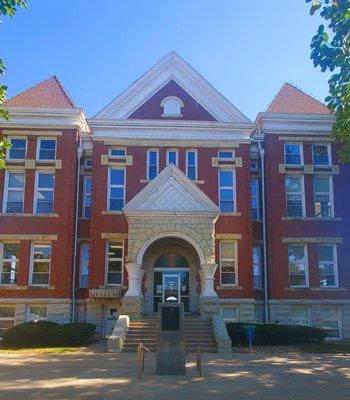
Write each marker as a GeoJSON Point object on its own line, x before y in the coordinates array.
{"type": "Point", "coordinates": [95, 375]}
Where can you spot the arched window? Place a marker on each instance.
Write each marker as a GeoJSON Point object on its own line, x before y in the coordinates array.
{"type": "Point", "coordinates": [171, 106]}
{"type": "Point", "coordinates": [171, 260]}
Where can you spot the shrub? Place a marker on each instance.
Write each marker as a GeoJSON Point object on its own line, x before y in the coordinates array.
{"type": "Point", "coordinates": [48, 334]}
{"type": "Point", "coordinates": [275, 334]}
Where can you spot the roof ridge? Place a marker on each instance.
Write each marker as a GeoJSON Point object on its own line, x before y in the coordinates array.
{"type": "Point", "coordinates": [64, 90]}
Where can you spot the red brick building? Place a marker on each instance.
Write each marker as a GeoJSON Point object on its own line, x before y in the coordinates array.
{"type": "Point", "coordinates": [170, 192]}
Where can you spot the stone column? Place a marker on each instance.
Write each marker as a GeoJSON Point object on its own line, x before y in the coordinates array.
{"type": "Point", "coordinates": [131, 301]}
{"type": "Point", "coordinates": [140, 277]}
{"type": "Point", "coordinates": [209, 302]}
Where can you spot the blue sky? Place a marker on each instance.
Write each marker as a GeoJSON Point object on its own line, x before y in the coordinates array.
{"type": "Point", "coordinates": [246, 49]}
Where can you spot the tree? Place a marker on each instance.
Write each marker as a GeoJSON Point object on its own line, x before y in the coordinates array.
{"type": "Point", "coordinates": [330, 50]}
{"type": "Point", "coordinates": [7, 8]}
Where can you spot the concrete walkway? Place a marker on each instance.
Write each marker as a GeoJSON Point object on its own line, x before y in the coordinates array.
{"type": "Point", "coordinates": [95, 375]}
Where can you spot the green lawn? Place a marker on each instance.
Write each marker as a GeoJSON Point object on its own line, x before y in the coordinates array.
{"type": "Point", "coordinates": [40, 350]}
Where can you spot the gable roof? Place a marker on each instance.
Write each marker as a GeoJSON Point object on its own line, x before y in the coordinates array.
{"type": "Point", "coordinates": [291, 100]}
{"type": "Point", "coordinates": [49, 93]}
{"type": "Point", "coordinates": [170, 192]}
{"type": "Point", "coordinates": [172, 67]}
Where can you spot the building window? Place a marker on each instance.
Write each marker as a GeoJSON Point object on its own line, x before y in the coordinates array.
{"type": "Point", "coordinates": [116, 195]}
{"type": "Point", "coordinates": [172, 107]}
{"type": "Point", "coordinates": [295, 196]}
{"type": "Point", "coordinates": [257, 276]}
{"type": "Point", "coordinates": [254, 165]}
{"type": "Point", "coordinates": [321, 154]}
{"type": "Point", "coordinates": [84, 265]}
{"type": "Point", "coordinates": [227, 190]}
{"type": "Point", "coordinates": [37, 313]}
{"type": "Point", "coordinates": [114, 263]}
{"type": "Point", "coordinates": [297, 258]}
{"type": "Point", "coordinates": [87, 196]}
{"type": "Point", "coordinates": [152, 163]}
{"type": "Point", "coordinates": [18, 149]}
{"type": "Point", "coordinates": [228, 263]}
{"type": "Point", "coordinates": [14, 192]}
{"type": "Point", "coordinates": [44, 193]}
{"type": "Point", "coordinates": [330, 322]}
{"type": "Point", "coordinates": [41, 260]}
{"type": "Point", "coordinates": [192, 164]}
{"type": "Point", "coordinates": [300, 315]}
{"type": "Point", "coordinates": [322, 197]}
{"type": "Point", "coordinates": [229, 313]}
{"type": "Point", "coordinates": [226, 155]}
{"type": "Point", "coordinates": [172, 157]}
{"type": "Point", "coordinates": [258, 314]}
{"type": "Point", "coordinates": [7, 318]}
{"type": "Point", "coordinates": [293, 154]}
{"type": "Point", "coordinates": [88, 163]}
{"type": "Point", "coordinates": [254, 199]}
{"type": "Point", "coordinates": [46, 149]}
{"type": "Point", "coordinates": [9, 263]}
{"type": "Point", "coordinates": [117, 152]}
{"type": "Point", "coordinates": [327, 265]}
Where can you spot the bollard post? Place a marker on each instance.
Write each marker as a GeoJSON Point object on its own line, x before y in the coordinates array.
{"type": "Point", "coordinates": [139, 350]}
{"type": "Point", "coordinates": [143, 357]}
{"type": "Point", "coordinates": [199, 362]}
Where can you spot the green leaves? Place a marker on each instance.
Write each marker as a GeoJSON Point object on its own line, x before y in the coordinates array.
{"type": "Point", "coordinates": [9, 7]}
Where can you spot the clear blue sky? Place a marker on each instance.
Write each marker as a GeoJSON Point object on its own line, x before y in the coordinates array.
{"type": "Point", "coordinates": [246, 49]}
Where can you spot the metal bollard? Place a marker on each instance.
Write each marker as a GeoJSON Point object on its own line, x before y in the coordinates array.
{"type": "Point", "coordinates": [139, 355]}
{"type": "Point", "coordinates": [199, 362]}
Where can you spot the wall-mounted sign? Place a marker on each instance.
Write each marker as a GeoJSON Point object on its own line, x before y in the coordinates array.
{"type": "Point", "coordinates": [105, 293]}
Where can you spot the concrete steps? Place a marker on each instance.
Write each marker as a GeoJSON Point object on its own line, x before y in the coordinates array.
{"type": "Point", "coordinates": [198, 332]}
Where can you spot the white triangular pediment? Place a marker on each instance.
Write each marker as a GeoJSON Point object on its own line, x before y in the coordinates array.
{"type": "Point", "coordinates": [172, 67]}
{"type": "Point", "coordinates": [171, 191]}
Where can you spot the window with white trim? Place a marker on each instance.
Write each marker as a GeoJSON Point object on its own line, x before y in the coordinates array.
{"type": "Point", "coordinates": [9, 263]}
{"type": "Point", "coordinates": [172, 157]}
{"type": "Point", "coordinates": [257, 275]}
{"type": "Point", "coordinates": [300, 315]}
{"type": "Point", "coordinates": [323, 197]}
{"type": "Point", "coordinates": [228, 263]}
{"type": "Point", "coordinates": [321, 154]}
{"type": "Point", "coordinates": [37, 313]}
{"type": "Point", "coordinates": [229, 313]}
{"type": "Point", "coordinates": [114, 268]}
{"type": "Point", "coordinates": [117, 152]}
{"type": "Point", "coordinates": [227, 192]}
{"type": "Point", "coordinates": [84, 265]}
{"type": "Point", "coordinates": [330, 321]}
{"type": "Point", "coordinates": [116, 189]}
{"type": "Point", "coordinates": [226, 155]}
{"type": "Point", "coordinates": [152, 163]}
{"type": "Point", "coordinates": [172, 106]}
{"type": "Point", "coordinates": [44, 192]}
{"type": "Point", "coordinates": [327, 265]}
{"type": "Point", "coordinates": [87, 196]}
{"type": "Point", "coordinates": [46, 150]}
{"type": "Point", "coordinates": [41, 261]}
{"type": "Point", "coordinates": [7, 318]}
{"type": "Point", "coordinates": [293, 154]}
{"type": "Point", "coordinates": [297, 260]}
{"type": "Point", "coordinates": [192, 164]}
{"type": "Point", "coordinates": [18, 149]}
{"type": "Point", "coordinates": [254, 199]}
{"type": "Point", "coordinates": [295, 196]}
{"type": "Point", "coordinates": [14, 192]}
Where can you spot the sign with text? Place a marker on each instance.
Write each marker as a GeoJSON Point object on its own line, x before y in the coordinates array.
{"type": "Point", "coordinates": [105, 293]}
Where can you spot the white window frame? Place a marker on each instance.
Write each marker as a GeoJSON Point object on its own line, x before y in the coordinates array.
{"type": "Point", "coordinates": [109, 187]}
{"type": "Point", "coordinates": [302, 193]}
{"type": "Point", "coordinates": [31, 269]}
{"type": "Point", "coordinates": [85, 195]}
{"type": "Point", "coordinates": [81, 266]}
{"type": "Point", "coordinates": [38, 145]}
{"type": "Point", "coordinates": [258, 216]}
{"type": "Point", "coordinates": [195, 163]}
{"type": "Point", "coordinates": [334, 262]}
{"type": "Point", "coordinates": [306, 262]}
{"type": "Point", "coordinates": [339, 321]}
{"type": "Point", "coordinates": [2, 260]}
{"type": "Point", "coordinates": [5, 319]}
{"type": "Point", "coordinates": [259, 247]}
{"type": "Point", "coordinates": [234, 197]}
{"type": "Point", "coordinates": [29, 319]}
{"type": "Point", "coordinates": [295, 319]}
{"type": "Point", "coordinates": [116, 148]}
{"type": "Point", "coordinates": [301, 147]}
{"type": "Point", "coordinates": [6, 189]}
{"type": "Point", "coordinates": [114, 259]}
{"type": "Point", "coordinates": [172, 151]}
{"type": "Point", "coordinates": [227, 151]}
{"type": "Point", "coordinates": [331, 196]}
{"type": "Point", "coordinates": [148, 164]}
{"type": "Point", "coordinates": [235, 260]}
{"type": "Point", "coordinates": [175, 98]}
{"type": "Point", "coordinates": [228, 306]}
{"type": "Point", "coordinates": [329, 153]}
{"type": "Point", "coordinates": [9, 139]}
{"type": "Point", "coordinates": [35, 205]}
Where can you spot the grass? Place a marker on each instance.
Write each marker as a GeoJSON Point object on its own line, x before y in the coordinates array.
{"type": "Point", "coordinates": [39, 350]}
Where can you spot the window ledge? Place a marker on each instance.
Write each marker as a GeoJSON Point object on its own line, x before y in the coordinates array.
{"type": "Point", "coordinates": [231, 214]}
{"type": "Point", "coordinates": [12, 287]}
{"type": "Point", "coordinates": [229, 287]}
{"type": "Point", "coordinates": [111, 212]}
{"type": "Point", "coordinates": [310, 219]}
{"type": "Point", "coordinates": [145, 180]}
{"type": "Point", "coordinates": [296, 289]}
{"type": "Point", "coordinates": [329, 288]}
{"type": "Point", "coordinates": [117, 286]}
{"type": "Point", "coordinates": [28, 215]}
{"type": "Point", "coordinates": [46, 287]}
